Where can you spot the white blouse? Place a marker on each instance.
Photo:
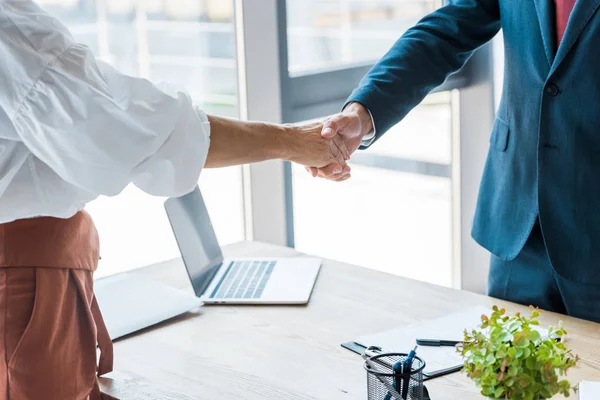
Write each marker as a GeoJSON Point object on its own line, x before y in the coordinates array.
{"type": "Point", "coordinates": [73, 128]}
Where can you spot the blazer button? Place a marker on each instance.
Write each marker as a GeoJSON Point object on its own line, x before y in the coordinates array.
{"type": "Point", "coordinates": [552, 90]}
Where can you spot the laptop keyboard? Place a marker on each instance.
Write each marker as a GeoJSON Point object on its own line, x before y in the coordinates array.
{"type": "Point", "coordinates": [244, 280]}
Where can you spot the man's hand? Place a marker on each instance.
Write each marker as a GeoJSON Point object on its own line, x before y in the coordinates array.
{"type": "Point", "coordinates": [351, 125]}
{"type": "Point", "coordinates": [306, 145]}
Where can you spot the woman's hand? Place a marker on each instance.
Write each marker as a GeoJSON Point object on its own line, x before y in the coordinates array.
{"type": "Point", "coordinates": [304, 144]}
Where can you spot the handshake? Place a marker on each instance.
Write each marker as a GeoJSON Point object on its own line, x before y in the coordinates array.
{"type": "Point", "coordinates": [322, 147]}
{"type": "Point", "coordinates": [325, 147]}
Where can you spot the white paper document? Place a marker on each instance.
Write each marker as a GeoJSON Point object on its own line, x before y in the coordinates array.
{"type": "Point", "coordinates": [589, 390]}
{"type": "Point", "coordinates": [449, 327]}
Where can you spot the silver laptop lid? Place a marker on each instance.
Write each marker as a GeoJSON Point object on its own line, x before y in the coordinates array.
{"type": "Point", "coordinates": [196, 238]}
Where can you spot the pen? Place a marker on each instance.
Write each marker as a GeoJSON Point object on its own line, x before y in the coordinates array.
{"type": "Point", "coordinates": [402, 371]}
{"type": "Point", "coordinates": [437, 342]}
{"type": "Point", "coordinates": [407, 372]}
{"type": "Point", "coordinates": [443, 372]}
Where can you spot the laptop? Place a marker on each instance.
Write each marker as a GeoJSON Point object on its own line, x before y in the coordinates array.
{"type": "Point", "coordinates": [217, 280]}
{"type": "Point", "coordinates": [131, 302]}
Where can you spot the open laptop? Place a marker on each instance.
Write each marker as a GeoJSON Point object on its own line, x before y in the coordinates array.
{"type": "Point", "coordinates": [239, 281]}
{"type": "Point", "coordinates": [131, 302]}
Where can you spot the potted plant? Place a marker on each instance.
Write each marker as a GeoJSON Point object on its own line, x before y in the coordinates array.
{"type": "Point", "coordinates": [510, 359]}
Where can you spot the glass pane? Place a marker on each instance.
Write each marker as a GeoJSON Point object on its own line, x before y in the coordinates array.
{"type": "Point", "coordinates": [190, 43]}
{"type": "Point", "coordinates": [392, 221]}
{"type": "Point", "coordinates": [323, 33]}
{"type": "Point", "coordinates": [425, 134]}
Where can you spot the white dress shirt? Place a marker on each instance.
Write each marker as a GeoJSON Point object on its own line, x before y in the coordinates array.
{"type": "Point", "coordinates": [369, 138]}
{"type": "Point", "coordinates": [73, 128]}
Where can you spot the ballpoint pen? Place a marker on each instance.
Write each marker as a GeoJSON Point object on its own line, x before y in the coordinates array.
{"type": "Point", "coordinates": [402, 373]}
{"type": "Point", "coordinates": [407, 371]}
{"type": "Point", "coordinates": [397, 383]}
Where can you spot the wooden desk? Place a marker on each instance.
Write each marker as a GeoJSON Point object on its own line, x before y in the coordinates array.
{"type": "Point", "coordinates": [282, 352]}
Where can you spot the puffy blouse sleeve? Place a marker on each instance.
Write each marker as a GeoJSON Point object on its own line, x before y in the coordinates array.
{"type": "Point", "coordinates": [100, 129]}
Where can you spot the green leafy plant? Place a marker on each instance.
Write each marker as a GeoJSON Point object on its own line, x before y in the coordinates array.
{"type": "Point", "coordinates": [509, 359]}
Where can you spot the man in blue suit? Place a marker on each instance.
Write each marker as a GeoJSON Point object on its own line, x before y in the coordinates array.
{"type": "Point", "coordinates": [538, 207]}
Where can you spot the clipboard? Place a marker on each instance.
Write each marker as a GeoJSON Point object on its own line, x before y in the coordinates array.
{"type": "Point", "coordinates": [439, 361]}
{"type": "Point", "coordinates": [427, 375]}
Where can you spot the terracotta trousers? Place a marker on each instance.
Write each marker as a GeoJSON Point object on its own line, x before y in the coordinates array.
{"type": "Point", "coordinates": [50, 324]}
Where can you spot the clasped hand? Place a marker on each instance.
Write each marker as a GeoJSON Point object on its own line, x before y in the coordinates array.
{"type": "Point", "coordinates": [342, 134]}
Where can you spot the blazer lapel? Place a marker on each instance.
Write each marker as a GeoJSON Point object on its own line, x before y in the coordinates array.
{"type": "Point", "coordinates": [580, 16]}
{"type": "Point", "coordinates": [545, 13]}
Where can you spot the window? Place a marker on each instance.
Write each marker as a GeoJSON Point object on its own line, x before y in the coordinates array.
{"type": "Point", "coordinates": [396, 211]}
{"type": "Point", "coordinates": [190, 43]}
{"type": "Point", "coordinates": [403, 195]}
{"type": "Point", "coordinates": [324, 33]}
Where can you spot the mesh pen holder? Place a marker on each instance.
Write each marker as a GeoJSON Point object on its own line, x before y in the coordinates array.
{"type": "Point", "coordinates": [384, 384]}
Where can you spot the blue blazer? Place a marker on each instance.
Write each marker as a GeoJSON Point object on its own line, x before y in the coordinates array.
{"type": "Point", "coordinates": [544, 155]}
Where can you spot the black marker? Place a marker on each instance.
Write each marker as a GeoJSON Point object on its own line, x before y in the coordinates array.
{"type": "Point", "coordinates": [437, 343]}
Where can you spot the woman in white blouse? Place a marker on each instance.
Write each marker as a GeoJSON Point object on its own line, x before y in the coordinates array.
{"type": "Point", "coordinates": [73, 128]}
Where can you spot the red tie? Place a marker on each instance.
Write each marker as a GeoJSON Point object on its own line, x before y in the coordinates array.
{"type": "Point", "coordinates": [563, 11]}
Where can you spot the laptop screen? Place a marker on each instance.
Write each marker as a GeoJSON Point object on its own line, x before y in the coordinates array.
{"type": "Point", "coordinates": [196, 238]}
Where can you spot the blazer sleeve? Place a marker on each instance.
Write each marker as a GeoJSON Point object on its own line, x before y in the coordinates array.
{"type": "Point", "coordinates": [422, 59]}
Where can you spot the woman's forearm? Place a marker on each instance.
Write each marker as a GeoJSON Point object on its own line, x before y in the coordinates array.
{"type": "Point", "coordinates": [234, 142]}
